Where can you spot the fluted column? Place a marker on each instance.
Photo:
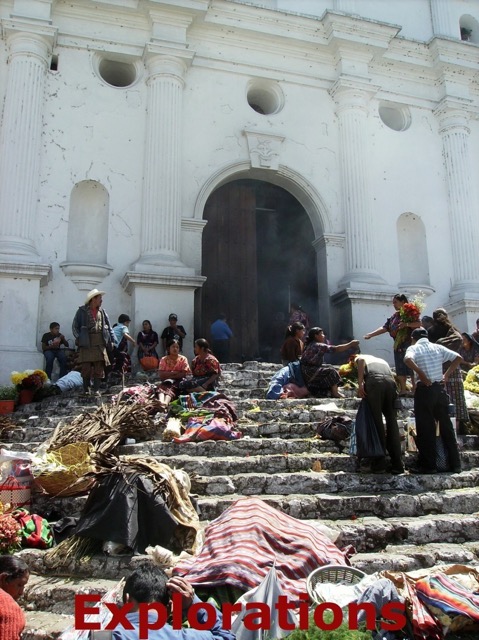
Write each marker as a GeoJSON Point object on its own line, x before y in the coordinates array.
{"type": "Point", "coordinates": [352, 102]}
{"type": "Point", "coordinates": [20, 143]}
{"type": "Point", "coordinates": [348, 6]}
{"type": "Point", "coordinates": [161, 211]}
{"type": "Point", "coordinates": [462, 196]}
{"type": "Point", "coordinates": [442, 24]}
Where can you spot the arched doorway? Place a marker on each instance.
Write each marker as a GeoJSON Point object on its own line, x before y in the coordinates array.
{"type": "Point", "coordinates": [258, 258]}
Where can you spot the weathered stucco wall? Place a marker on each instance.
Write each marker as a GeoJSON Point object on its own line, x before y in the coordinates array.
{"type": "Point", "coordinates": [319, 67]}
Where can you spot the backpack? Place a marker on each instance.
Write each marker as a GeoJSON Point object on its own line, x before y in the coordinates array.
{"type": "Point", "coordinates": [335, 428]}
{"type": "Point", "coordinates": [36, 532]}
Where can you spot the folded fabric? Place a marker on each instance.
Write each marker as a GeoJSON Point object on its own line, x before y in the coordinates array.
{"type": "Point", "coordinates": [204, 428]}
{"type": "Point", "coordinates": [249, 538]}
{"type": "Point", "coordinates": [447, 599]}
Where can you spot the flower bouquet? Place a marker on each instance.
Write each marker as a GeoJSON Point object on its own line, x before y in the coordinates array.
{"type": "Point", "coordinates": [471, 383]}
{"type": "Point", "coordinates": [409, 312]}
{"type": "Point", "coordinates": [349, 371]}
{"type": "Point", "coordinates": [30, 379]}
{"type": "Point", "coordinates": [10, 538]}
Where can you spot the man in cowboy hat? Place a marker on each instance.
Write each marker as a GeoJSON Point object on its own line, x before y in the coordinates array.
{"type": "Point", "coordinates": [94, 336]}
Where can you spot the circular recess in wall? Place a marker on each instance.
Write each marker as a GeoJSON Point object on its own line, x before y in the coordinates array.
{"type": "Point", "coordinates": [116, 72]}
{"type": "Point", "coordinates": [265, 97]}
{"type": "Point", "coordinates": [395, 116]}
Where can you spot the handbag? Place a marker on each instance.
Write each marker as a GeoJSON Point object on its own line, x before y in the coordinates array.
{"type": "Point", "coordinates": [148, 363]}
{"type": "Point", "coordinates": [335, 428]}
{"type": "Point", "coordinates": [368, 443]}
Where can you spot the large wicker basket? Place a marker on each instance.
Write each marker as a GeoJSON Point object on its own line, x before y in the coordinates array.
{"type": "Point", "coordinates": [332, 573]}
{"type": "Point", "coordinates": [76, 458]}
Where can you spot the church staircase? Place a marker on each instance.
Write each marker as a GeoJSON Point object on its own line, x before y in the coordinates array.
{"type": "Point", "coordinates": [401, 522]}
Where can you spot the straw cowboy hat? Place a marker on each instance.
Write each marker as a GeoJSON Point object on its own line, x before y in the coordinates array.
{"type": "Point", "coordinates": [93, 293]}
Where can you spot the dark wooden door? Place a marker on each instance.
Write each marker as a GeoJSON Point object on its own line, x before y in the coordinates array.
{"type": "Point", "coordinates": [229, 263]}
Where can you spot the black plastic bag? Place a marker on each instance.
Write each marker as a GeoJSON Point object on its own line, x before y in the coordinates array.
{"type": "Point", "coordinates": [368, 443]}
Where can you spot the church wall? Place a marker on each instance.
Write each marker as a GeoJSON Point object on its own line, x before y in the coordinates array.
{"type": "Point", "coordinates": [95, 132]}
{"type": "Point", "coordinates": [98, 139]}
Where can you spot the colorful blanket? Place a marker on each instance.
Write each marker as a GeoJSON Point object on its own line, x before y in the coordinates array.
{"type": "Point", "coordinates": [208, 428]}
{"type": "Point", "coordinates": [248, 539]}
{"type": "Point", "coordinates": [448, 600]}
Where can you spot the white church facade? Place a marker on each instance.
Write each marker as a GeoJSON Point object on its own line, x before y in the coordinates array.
{"type": "Point", "coordinates": [208, 156]}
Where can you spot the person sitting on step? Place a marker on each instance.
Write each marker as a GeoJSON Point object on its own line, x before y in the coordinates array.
{"type": "Point", "coordinates": [52, 343]}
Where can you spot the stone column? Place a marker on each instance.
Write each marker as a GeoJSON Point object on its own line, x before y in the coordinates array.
{"type": "Point", "coordinates": [352, 100]}
{"type": "Point", "coordinates": [462, 196]}
{"type": "Point", "coordinates": [161, 210]}
{"type": "Point", "coordinates": [442, 24]}
{"type": "Point", "coordinates": [347, 6]}
{"type": "Point", "coordinates": [20, 141]}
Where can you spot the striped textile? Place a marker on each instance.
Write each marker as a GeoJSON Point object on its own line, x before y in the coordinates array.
{"type": "Point", "coordinates": [446, 594]}
{"type": "Point", "coordinates": [424, 625]}
{"type": "Point", "coordinates": [248, 538]}
{"type": "Point", "coordinates": [455, 389]}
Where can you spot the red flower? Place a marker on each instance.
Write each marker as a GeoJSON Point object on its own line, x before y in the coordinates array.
{"type": "Point", "coordinates": [409, 312]}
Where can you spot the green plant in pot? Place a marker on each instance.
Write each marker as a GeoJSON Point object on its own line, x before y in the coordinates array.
{"type": "Point", "coordinates": [8, 393]}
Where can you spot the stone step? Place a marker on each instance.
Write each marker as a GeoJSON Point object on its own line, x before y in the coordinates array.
{"type": "Point", "coordinates": [354, 505]}
{"type": "Point", "coordinates": [44, 625]}
{"type": "Point", "coordinates": [271, 463]}
{"type": "Point", "coordinates": [373, 534]}
{"type": "Point", "coordinates": [419, 495]}
{"type": "Point", "coordinates": [311, 483]}
{"type": "Point", "coordinates": [235, 448]}
{"type": "Point", "coordinates": [413, 557]}
{"type": "Point", "coordinates": [367, 535]}
{"type": "Point", "coordinates": [57, 594]}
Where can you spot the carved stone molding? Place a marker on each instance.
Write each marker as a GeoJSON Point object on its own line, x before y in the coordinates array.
{"type": "Point", "coordinates": [264, 149]}
{"type": "Point", "coordinates": [132, 279]}
{"type": "Point", "coordinates": [25, 271]}
{"type": "Point", "coordinates": [86, 275]}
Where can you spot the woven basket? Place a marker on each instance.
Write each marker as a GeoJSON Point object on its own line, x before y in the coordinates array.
{"type": "Point", "coordinates": [332, 573]}
{"type": "Point", "coordinates": [76, 457]}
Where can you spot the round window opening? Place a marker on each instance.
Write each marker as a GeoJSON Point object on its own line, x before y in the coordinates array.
{"type": "Point", "coordinates": [116, 73]}
{"type": "Point", "coordinates": [265, 98]}
{"type": "Point", "coordinates": [395, 117]}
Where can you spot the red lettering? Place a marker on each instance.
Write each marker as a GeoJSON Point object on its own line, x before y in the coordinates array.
{"type": "Point", "coordinates": [193, 612]}
{"type": "Point", "coordinates": [118, 616]}
{"type": "Point", "coordinates": [370, 613]}
{"type": "Point", "coordinates": [319, 617]}
{"type": "Point", "coordinates": [394, 614]}
{"type": "Point", "coordinates": [259, 619]}
{"type": "Point", "coordinates": [228, 609]}
{"type": "Point", "coordinates": [303, 610]}
{"type": "Point", "coordinates": [176, 610]}
{"type": "Point", "coordinates": [146, 624]}
{"type": "Point", "coordinates": [282, 607]}
{"type": "Point", "coordinates": [81, 611]}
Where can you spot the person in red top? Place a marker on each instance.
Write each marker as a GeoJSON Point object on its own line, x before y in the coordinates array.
{"type": "Point", "coordinates": [205, 368]}
{"type": "Point", "coordinates": [14, 575]}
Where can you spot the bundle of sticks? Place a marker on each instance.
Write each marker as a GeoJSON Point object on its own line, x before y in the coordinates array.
{"type": "Point", "coordinates": [106, 427]}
